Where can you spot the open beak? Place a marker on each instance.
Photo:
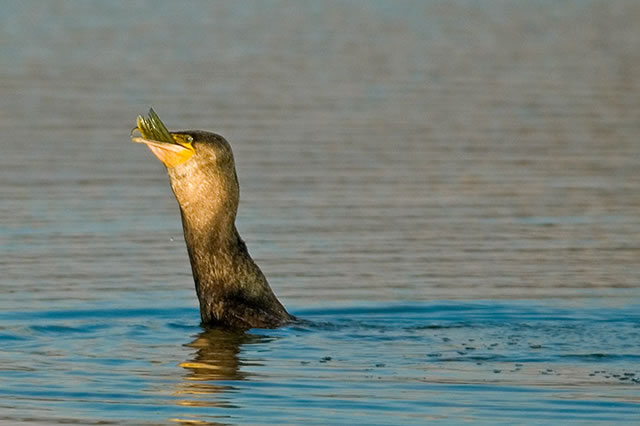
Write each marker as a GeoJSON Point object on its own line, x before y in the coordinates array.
{"type": "Point", "coordinates": [170, 148]}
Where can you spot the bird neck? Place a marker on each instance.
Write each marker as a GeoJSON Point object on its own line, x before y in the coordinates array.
{"type": "Point", "coordinates": [208, 203]}
{"type": "Point", "coordinates": [212, 244]}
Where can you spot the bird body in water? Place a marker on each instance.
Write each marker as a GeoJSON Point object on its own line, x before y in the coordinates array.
{"type": "Point", "coordinates": [232, 290]}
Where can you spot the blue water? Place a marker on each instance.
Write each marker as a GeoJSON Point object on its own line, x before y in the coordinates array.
{"type": "Point", "coordinates": [446, 192]}
{"type": "Point", "coordinates": [377, 364]}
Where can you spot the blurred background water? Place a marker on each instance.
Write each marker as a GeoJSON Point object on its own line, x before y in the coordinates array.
{"type": "Point", "coordinates": [448, 191]}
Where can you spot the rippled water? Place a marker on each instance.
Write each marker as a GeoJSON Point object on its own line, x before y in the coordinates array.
{"type": "Point", "coordinates": [446, 192]}
{"type": "Point", "coordinates": [391, 363]}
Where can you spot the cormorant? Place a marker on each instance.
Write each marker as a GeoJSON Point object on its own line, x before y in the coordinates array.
{"type": "Point", "coordinates": [232, 290]}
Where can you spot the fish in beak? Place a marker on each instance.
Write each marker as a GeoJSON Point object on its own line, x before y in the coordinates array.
{"type": "Point", "coordinates": [170, 148]}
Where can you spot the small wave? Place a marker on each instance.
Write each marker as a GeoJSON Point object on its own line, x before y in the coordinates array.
{"type": "Point", "coordinates": [98, 313]}
{"type": "Point", "coordinates": [520, 316]}
{"type": "Point", "coordinates": [63, 329]}
{"type": "Point", "coordinates": [11, 337]}
{"type": "Point", "coordinates": [604, 357]}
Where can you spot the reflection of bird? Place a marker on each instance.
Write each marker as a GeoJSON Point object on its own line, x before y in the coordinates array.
{"type": "Point", "coordinates": [232, 290]}
{"type": "Point", "coordinates": [217, 354]}
{"type": "Point", "coordinates": [217, 358]}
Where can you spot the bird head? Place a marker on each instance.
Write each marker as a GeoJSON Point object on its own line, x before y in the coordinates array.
{"type": "Point", "coordinates": [200, 165]}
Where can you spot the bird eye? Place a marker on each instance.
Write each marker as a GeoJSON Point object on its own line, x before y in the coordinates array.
{"type": "Point", "coordinates": [189, 139]}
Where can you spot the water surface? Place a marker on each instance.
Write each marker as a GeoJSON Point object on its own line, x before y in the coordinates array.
{"type": "Point", "coordinates": [447, 192]}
